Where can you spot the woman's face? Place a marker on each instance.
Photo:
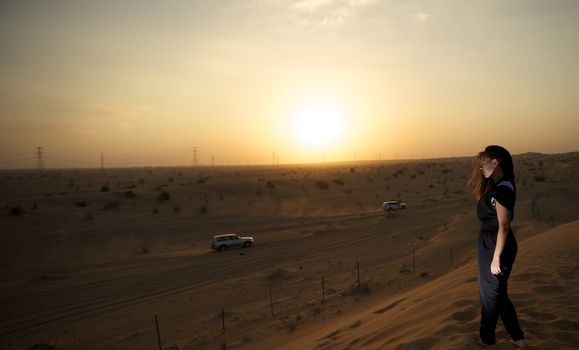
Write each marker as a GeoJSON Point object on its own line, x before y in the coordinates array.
{"type": "Point", "coordinates": [487, 166]}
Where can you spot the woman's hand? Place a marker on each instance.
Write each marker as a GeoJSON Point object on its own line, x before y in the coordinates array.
{"type": "Point", "coordinates": [496, 266]}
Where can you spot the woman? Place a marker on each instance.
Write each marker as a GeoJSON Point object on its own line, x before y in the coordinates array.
{"type": "Point", "coordinates": [493, 179]}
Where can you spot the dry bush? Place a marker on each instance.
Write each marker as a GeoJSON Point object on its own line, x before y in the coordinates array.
{"type": "Point", "coordinates": [163, 196]}
{"type": "Point", "coordinates": [322, 184]}
{"type": "Point", "coordinates": [16, 210]}
{"type": "Point", "coordinates": [112, 204]}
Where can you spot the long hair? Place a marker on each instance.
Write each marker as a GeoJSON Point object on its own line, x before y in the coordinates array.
{"type": "Point", "coordinates": [477, 180]}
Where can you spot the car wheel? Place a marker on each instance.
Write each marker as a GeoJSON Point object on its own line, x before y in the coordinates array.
{"type": "Point", "coordinates": [246, 244]}
{"type": "Point", "coordinates": [222, 248]}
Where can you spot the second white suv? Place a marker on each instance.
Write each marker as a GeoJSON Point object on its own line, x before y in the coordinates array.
{"type": "Point", "coordinates": [393, 205]}
{"type": "Point", "coordinates": [224, 242]}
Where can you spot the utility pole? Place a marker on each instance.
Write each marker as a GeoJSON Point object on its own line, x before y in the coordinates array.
{"type": "Point", "coordinates": [39, 158]}
{"type": "Point", "coordinates": [194, 156]}
{"type": "Point", "coordinates": [102, 161]}
{"type": "Point", "coordinates": [212, 160]}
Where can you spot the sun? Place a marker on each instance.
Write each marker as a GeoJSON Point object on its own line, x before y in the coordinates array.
{"type": "Point", "coordinates": [318, 125]}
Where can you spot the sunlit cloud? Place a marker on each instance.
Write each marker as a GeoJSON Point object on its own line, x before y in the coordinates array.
{"type": "Point", "coordinates": [421, 17]}
{"type": "Point", "coordinates": [317, 12]}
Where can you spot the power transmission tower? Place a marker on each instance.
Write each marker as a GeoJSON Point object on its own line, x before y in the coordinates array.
{"type": "Point", "coordinates": [39, 157]}
{"type": "Point", "coordinates": [194, 155]}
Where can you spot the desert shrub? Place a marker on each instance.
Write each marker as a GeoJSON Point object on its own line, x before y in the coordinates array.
{"type": "Point", "coordinates": [339, 182]}
{"type": "Point", "coordinates": [539, 178]}
{"type": "Point", "coordinates": [81, 204]}
{"type": "Point", "coordinates": [352, 170]}
{"type": "Point", "coordinates": [276, 275]}
{"type": "Point", "coordinates": [404, 270]}
{"type": "Point", "coordinates": [202, 180]}
{"type": "Point", "coordinates": [112, 204]}
{"type": "Point", "coordinates": [155, 210]}
{"type": "Point", "coordinates": [163, 196]}
{"type": "Point", "coordinates": [130, 194]}
{"type": "Point", "coordinates": [144, 249]}
{"type": "Point", "coordinates": [16, 210]}
{"type": "Point", "coordinates": [270, 184]}
{"type": "Point", "coordinates": [176, 209]}
{"type": "Point", "coordinates": [34, 206]}
{"type": "Point", "coordinates": [322, 184]}
{"type": "Point", "coordinates": [105, 188]}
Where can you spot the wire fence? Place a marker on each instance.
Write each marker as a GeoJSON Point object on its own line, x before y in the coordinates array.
{"type": "Point", "coordinates": [284, 303]}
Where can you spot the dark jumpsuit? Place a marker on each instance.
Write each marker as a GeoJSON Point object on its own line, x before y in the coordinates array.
{"type": "Point", "coordinates": [494, 297]}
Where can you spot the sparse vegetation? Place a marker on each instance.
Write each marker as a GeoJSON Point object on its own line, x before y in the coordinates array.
{"type": "Point", "coordinates": [111, 204]}
{"type": "Point", "coordinates": [105, 188]}
{"type": "Point", "coordinates": [16, 210]}
{"type": "Point", "coordinates": [163, 196]}
{"type": "Point", "coordinates": [322, 184]}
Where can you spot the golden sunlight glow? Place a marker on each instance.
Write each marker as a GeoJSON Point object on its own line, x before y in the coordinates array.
{"type": "Point", "coordinates": [318, 124]}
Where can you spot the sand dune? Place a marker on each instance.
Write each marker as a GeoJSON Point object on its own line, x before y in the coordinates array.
{"type": "Point", "coordinates": [444, 314]}
{"type": "Point", "coordinates": [89, 257]}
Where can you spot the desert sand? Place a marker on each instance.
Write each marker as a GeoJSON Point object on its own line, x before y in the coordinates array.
{"type": "Point", "coordinates": [89, 257]}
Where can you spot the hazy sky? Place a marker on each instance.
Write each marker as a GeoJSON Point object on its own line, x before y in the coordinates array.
{"type": "Point", "coordinates": [145, 81]}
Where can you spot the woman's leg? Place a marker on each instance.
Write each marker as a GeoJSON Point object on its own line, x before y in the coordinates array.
{"type": "Point", "coordinates": [507, 311]}
{"type": "Point", "coordinates": [488, 286]}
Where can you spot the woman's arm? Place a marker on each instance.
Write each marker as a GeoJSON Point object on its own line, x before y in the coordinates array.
{"type": "Point", "coordinates": [503, 216]}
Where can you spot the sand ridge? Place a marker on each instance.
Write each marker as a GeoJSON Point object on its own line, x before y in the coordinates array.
{"type": "Point", "coordinates": [444, 313]}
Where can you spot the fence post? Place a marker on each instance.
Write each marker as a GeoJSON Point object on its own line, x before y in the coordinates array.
{"type": "Point", "coordinates": [451, 256]}
{"type": "Point", "coordinates": [223, 318]}
{"type": "Point", "coordinates": [158, 333]}
{"type": "Point", "coordinates": [323, 291]}
{"type": "Point", "coordinates": [270, 300]}
{"type": "Point", "coordinates": [358, 268]}
{"type": "Point", "coordinates": [413, 261]}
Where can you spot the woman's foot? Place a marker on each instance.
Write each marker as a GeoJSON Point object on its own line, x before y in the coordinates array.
{"type": "Point", "coordinates": [519, 343]}
{"type": "Point", "coordinates": [483, 344]}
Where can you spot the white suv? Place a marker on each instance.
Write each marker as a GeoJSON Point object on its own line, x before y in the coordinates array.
{"type": "Point", "coordinates": [393, 205]}
{"type": "Point", "coordinates": [224, 242]}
